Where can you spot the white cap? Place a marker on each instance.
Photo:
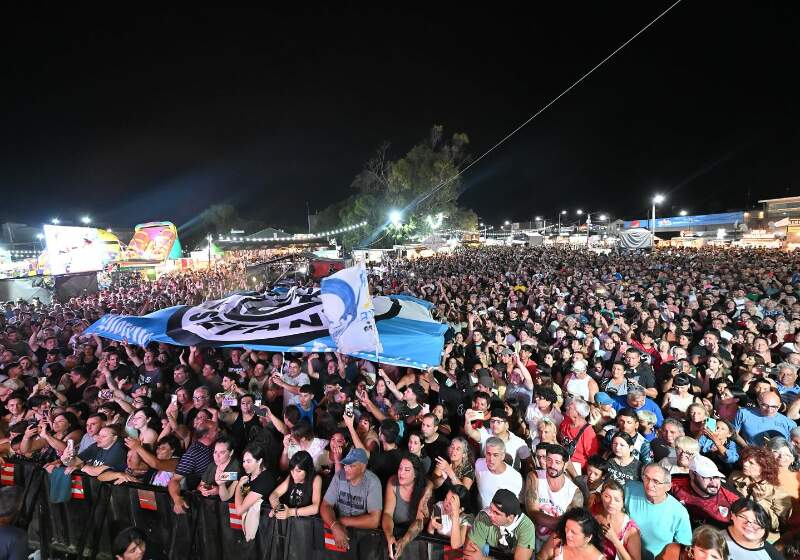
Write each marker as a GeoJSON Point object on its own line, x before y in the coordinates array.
{"type": "Point", "coordinates": [705, 467]}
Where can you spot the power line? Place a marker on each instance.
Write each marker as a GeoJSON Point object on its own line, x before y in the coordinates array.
{"type": "Point", "coordinates": [542, 110]}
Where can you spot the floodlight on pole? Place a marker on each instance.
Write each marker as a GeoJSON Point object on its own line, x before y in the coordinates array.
{"type": "Point", "coordinates": [395, 216]}
{"type": "Point", "coordinates": [86, 219]}
{"type": "Point", "coordinates": [684, 213]}
{"type": "Point", "coordinates": [562, 213]}
{"type": "Point", "coordinates": [579, 212]}
{"type": "Point", "coordinates": [55, 221]}
{"type": "Point", "coordinates": [506, 223]}
{"type": "Point", "coordinates": [657, 199]}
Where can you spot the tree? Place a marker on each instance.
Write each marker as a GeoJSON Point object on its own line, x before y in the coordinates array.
{"type": "Point", "coordinates": [421, 183]}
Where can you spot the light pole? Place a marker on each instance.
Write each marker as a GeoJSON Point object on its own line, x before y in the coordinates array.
{"type": "Point", "coordinates": [559, 220]}
{"type": "Point", "coordinates": [657, 199]}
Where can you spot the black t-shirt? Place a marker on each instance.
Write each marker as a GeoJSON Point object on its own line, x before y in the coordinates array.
{"type": "Point", "coordinates": [115, 457]}
{"type": "Point", "coordinates": [437, 449]}
{"type": "Point", "coordinates": [298, 495]}
{"type": "Point", "coordinates": [384, 464]}
{"type": "Point", "coordinates": [75, 394]}
{"type": "Point", "coordinates": [643, 375]}
{"type": "Point", "coordinates": [263, 484]}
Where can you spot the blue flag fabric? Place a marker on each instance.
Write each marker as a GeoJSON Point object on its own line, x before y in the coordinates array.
{"type": "Point", "coordinates": [292, 323]}
{"type": "Point", "coordinates": [348, 306]}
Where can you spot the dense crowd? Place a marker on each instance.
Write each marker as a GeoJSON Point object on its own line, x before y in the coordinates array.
{"type": "Point", "coordinates": [587, 406]}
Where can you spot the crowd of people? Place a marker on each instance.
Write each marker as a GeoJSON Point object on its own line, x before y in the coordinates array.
{"type": "Point", "coordinates": [587, 406]}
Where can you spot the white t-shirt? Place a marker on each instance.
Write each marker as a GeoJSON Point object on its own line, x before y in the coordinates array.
{"type": "Point", "coordinates": [489, 483]}
{"type": "Point", "coordinates": [534, 414]}
{"type": "Point", "coordinates": [516, 448]}
{"type": "Point", "coordinates": [298, 381]}
{"type": "Point", "coordinates": [317, 450]}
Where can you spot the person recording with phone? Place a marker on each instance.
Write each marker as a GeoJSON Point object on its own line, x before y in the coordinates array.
{"type": "Point", "coordinates": [220, 476]}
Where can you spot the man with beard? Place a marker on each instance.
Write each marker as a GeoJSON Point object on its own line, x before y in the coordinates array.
{"type": "Point", "coordinates": [549, 493]}
{"type": "Point", "coordinates": [703, 495]}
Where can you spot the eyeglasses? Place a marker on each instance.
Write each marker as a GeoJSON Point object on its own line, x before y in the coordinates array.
{"type": "Point", "coordinates": [684, 452]}
{"type": "Point", "coordinates": [647, 480]}
{"type": "Point", "coordinates": [747, 521]}
{"type": "Point", "coordinates": [769, 406]}
{"type": "Point", "coordinates": [198, 398]}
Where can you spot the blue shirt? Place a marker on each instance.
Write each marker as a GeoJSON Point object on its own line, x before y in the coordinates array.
{"type": "Point", "coordinates": [750, 424]}
{"type": "Point", "coordinates": [659, 524]}
{"type": "Point", "coordinates": [622, 402]}
{"type": "Point", "coordinates": [731, 449]}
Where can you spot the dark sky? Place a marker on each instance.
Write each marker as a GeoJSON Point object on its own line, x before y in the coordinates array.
{"type": "Point", "coordinates": [152, 116]}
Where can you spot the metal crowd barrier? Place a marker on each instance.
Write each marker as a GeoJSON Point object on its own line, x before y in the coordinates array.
{"type": "Point", "coordinates": [84, 526]}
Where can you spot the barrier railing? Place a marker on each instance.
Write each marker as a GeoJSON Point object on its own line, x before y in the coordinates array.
{"type": "Point", "coordinates": [84, 526]}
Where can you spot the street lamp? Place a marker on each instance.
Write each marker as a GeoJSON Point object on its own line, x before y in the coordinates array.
{"type": "Point", "coordinates": [86, 219]}
{"type": "Point", "coordinates": [657, 199]}
{"type": "Point", "coordinates": [506, 223]}
{"type": "Point", "coordinates": [684, 213]}
{"type": "Point", "coordinates": [562, 213]}
{"type": "Point", "coordinates": [55, 221]}
{"type": "Point", "coordinates": [579, 212]}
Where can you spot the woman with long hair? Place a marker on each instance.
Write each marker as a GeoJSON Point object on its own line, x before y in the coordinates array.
{"type": "Point", "coordinates": [758, 480]}
{"type": "Point", "coordinates": [577, 537]}
{"type": "Point", "coordinates": [405, 509]}
{"type": "Point", "coordinates": [252, 488]}
{"type": "Point", "coordinates": [788, 476]}
{"type": "Point", "coordinates": [708, 543]}
{"type": "Point", "coordinates": [48, 440]}
{"type": "Point", "coordinates": [459, 470]}
{"type": "Point", "coordinates": [300, 492]}
{"type": "Point", "coordinates": [696, 420]}
{"type": "Point", "coordinates": [415, 447]}
{"type": "Point", "coordinates": [622, 539]}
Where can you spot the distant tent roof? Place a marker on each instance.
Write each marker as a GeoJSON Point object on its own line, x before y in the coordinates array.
{"type": "Point", "coordinates": [268, 232]}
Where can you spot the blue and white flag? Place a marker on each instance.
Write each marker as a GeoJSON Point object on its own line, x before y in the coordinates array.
{"type": "Point", "coordinates": [348, 306]}
{"type": "Point", "coordinates": [295, 322]}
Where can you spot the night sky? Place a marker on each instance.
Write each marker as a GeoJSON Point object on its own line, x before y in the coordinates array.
{"type": "Point", "coordinates": [152, 116]}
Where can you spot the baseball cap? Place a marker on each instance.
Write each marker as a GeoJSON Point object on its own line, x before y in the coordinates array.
{"type": "Point", "coordinates": [705, 467]}
{"type": "Point", "coordinates": [506, 502]}
{"type": "Point", "coordinates": [507, 352]}
{"type": "Point", "coordinates": [485, 378]}
{"type": "Point", "coordinates": [603, 399]}
{"type": "Point", "coordinates": [356, 455]}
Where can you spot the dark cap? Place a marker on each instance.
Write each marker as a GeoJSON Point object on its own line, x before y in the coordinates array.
{"type": "Point", "coordinates": [507, 502]}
